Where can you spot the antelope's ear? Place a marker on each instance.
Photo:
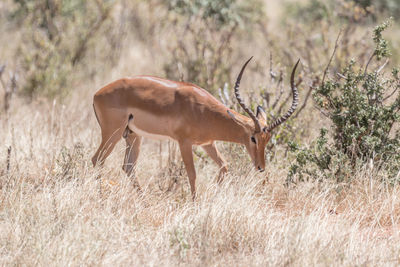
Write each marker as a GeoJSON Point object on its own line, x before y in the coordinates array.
{"type": "Point", "coordinates": [261, 113]}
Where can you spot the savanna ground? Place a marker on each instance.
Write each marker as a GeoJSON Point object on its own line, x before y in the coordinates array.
{"type": "Point", "coordinates": [56, 209]}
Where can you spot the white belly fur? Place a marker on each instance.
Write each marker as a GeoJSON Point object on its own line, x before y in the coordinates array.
{"type": "Point", "coordinates": [140, 119]}
{"type": "Point", "coordinates": [143, 133]}
{"type": "Point", "coordinates": [143, 121]}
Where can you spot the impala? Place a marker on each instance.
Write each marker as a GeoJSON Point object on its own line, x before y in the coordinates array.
{"type": "Point", "coordinates": [147, 106]}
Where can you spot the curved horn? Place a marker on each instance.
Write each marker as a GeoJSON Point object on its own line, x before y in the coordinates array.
{"type": "Point", "coordinates": [240, 100]}
{"type": "Point", "coordinates": [282, 119]}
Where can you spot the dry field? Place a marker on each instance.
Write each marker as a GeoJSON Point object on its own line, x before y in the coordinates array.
{"type": "Point", "coordinates": [57, 210]}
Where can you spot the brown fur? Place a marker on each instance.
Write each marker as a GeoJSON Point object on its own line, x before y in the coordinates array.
{"type": "Point", "coordinates": [181, 111]}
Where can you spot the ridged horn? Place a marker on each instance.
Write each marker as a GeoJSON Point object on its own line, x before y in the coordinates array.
{"type": "Point", "coordinates": [295, 101]}
{"type": "Point", "coordinates": [241, 102]}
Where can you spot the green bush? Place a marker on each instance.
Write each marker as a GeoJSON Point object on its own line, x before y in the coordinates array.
{"type": "Point", "coordinates": [200, 44]}
{"type": "Point", "coordinates": [310, 11]}
{"type": "Point", "coordinates": [385, 7]}
{"type": "Point", "coordinates": [347, 11]}
{"type": "Point", "coordinates": [220, 12]}
{"type": "Point", "coordinates": [363, 109]}
{"type": "Point", "coordinates": [56, 38]}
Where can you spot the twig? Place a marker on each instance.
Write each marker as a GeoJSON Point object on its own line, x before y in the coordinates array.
{"type": "Point", "coordinates": [266, 97]}
{"type": "Point", "coordinates": [100, 186]}
{"type": "Point", "coordinates": [299, 82]}
{"type": "Point", "coordinates": [392, 93]}
{"type": "Point", "coordinates": [311, 88]}
{"type": "Point", "coordinates": [180, 71]}
{"type": "Point", "coordinates": [2, 68]}
{"type": "Point", "coordinates": [8, 160]}
{"type": "Point", "coordinates": [273, 76]}
{"type": "Point", "coordinates": [381, 67]}
{"type": "Point", "coordinates": [341, 76]}
{"type": "Point", "coordinates": [283, 103]}
{"type": "Point", "coordinates": [322, 112]}
{"type": "Point", "coordinates": [221, 97]}
{"type": "Point", "coordinates": [8, 89]}
{"type": "Point", "coordinates": [369, 61]}
{"type": "Point", "coordinates": [9, 92]}
{"type": "Point", "coordinates": [333, 54]}
{"type": "Point", "coordinates": [279, 85]}
{"type": "Point", "coordinates": [160, 153]}
{"type": "Point", "coordinates": [271, 73]}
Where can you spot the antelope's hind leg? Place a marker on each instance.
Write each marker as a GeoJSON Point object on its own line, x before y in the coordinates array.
{"type": "Point", "coordinates": [112, 128]}
{"type": "Point", "coordinates": [106, 147]}
{"type": "Point", "coordinates": [132, 151]}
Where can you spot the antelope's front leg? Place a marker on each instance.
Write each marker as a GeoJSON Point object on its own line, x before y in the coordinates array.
{"type": "Point", "coordinates": [187, 157]}
{"type": "Point", "coordinates": [214, 154]}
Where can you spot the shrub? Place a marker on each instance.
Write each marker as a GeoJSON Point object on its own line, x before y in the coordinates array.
{"type": "Point", "coordinates": [347, 11]}
{"type": "Point", "coordinates": [386, 7]}
{"type": "Point", "coordinates": [311, 11]}
{"type": "Point", "coordinates": [57, 35]}
{"type": "Point", "coordinates": [200, 44]}
{"type": "Point", "coordinates": [363, 109]}
{"type": "Point", "coordinates": [355, 11]}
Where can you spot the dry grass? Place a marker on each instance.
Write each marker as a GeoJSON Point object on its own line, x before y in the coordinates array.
{"type": "Point", "coordinates": [54, 211]}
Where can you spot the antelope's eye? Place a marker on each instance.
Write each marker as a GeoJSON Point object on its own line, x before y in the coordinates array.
{"type": "Point", "coordinates": [253, 140]}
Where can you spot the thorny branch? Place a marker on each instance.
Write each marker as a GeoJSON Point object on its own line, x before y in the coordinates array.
{"type": "Point", "coordinates": [331, 58]}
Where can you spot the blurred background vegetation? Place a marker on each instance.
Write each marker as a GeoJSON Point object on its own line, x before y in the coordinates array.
{"type": "Point", "coordinates": [53, 49]}
{"type": "Point", "coordinates": [201, 41]}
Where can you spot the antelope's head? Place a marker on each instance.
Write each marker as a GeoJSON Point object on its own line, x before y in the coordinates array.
{"type": "Point", "coordinates": [260, 132]}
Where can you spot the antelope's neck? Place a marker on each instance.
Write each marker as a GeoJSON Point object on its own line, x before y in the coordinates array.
{"type": "Point", "coordinates": [234, 130]}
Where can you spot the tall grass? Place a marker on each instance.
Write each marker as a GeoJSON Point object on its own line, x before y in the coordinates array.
{"type": "Point", "coordinates": [52, 214]}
